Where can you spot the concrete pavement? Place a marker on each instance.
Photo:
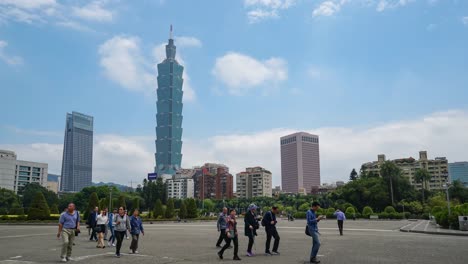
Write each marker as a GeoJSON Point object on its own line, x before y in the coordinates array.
{"type": "Point", "coordinates": [430, 227]}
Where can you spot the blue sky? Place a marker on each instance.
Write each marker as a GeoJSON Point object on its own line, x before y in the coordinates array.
{"type": "Point", "coordinates": [254, 70]}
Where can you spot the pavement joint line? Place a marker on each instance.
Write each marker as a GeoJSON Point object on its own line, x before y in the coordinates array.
{"type": "Point", "coordinates": [406, 225]}
{"type": "Point", "coordinates": [414, 227]}
{"type": "Point", "coordinates": [30, 235]}
{"type": "Point", "coordinates": [427, 224]}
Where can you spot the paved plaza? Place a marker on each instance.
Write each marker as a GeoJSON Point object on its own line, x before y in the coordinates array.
{"type": "Point", "coordinates": [363, 242]}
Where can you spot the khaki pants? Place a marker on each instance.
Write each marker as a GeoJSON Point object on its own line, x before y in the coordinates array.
{"type": "Point", "coordinates": [68, 236]}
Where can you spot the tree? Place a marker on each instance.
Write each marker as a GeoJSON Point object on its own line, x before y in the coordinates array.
{"type": "Point", "coordinates": [304, 207]}
{"type": "Point", "coordinates": [367, 211]}
{"type": "Point", "coordinates": [169, 209]}
{"type": "Point", "coordinates": [54, 209]}
{"type": "Point", "coordinates": [353, 176]}
{"type": "Point", "coordinates": [158, 209]}
{"type": "Point", "coordinates": [390, 172]}
{"type": "Point", "coordinates": [209, 205]}
{"type": "Point", "coordinates": [8, 199]}
{"type": "Point", "coordinates": [192, 210]}
{"type": "Point", "coordinates": [93, 202]}
{"type": "Point", "coordinates": [422, 176]}
{"type": "Point", "coordinates": [30, 191]}
{"type": "Point", "coordinates": [183, 210]}
{"type": "Point", "coordinates": [136, 203]}
{"type": "Point", "coordinates": [122, 202]}
{"type": "Point", "coordinates": [39, 209]}
{"type": "Point", "coordinates": [459, 191]}
{"type": "Point", "coordinates": [350, 212]}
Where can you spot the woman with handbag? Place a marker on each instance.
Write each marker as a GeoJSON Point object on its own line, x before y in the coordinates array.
{"type": "Point", "coordinates": [101, 223]}
{"type": "Point", "coordinates": [232, 235]}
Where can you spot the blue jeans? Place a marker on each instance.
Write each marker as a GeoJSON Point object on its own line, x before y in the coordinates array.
{"type": "Point", "coordinates": [315, 243]}
{"type": "Point", "coordinates": [112, 237]}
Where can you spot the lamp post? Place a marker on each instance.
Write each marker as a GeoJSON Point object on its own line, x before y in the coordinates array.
{"type": "Point", "coordinates": [447, 186]}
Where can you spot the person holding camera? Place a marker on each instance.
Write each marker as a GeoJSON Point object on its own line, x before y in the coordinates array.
{"type": "Point", "coordinates": [269, 222]}
{"type": "Point", "coordinates": [251, 226]}
{"type": "Point", "coordinates": [69, 227]}
{"type": "Point", "coordinates": [312, 221]}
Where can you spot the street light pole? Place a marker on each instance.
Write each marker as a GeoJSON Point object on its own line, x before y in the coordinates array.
{"type": "Point", "coordinates": [448, 199]}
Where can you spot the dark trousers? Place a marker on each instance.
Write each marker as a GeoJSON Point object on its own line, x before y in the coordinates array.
{"type": "Point", "coordinates": [228, 244]}
{"type": "Point", "coordinates": [119, 235]}
{"type": "Point", "coordinates": [251, 242]}
{"type": "Point", "coordinates": [222, 236]}
{"type": "Point", "coordinates": [340, 226]}
{"type": "Point", "coordinates": [272, 233]}
{"type": "Point", "coordinates": [134, 244]}
{"type": "Point", "coordinates": [93, 233]}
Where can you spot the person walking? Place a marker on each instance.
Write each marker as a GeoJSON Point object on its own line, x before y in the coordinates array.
{"type": "Point", "coordinates": [221, 225]}
{"type": "Point", "coordinates": [106, 229]}
{"type": "Point", "coordinates": [101, 223]}
{"type": "Point", "coordinates": [269, 222]}
{"type": "Point", "coordinates": [232, 235]}
{"type": "Point", "coordinates": [122, 225]}
{"type": "Point", "coordinates": [126, 232]}
{"type": "Point", "coordinates": [312, 221]}
{"type": "Point", "coordinates": [69, 224]}
{"type": "Point", "coordinates": [111, 225]}
{"type": "Point", "coordinates": [92, 220]}
{"type": "Point", "coordinates": [136, 226]}
{"type": "Point", "coordinates": [340, 217]}
{"type": "Point", "coordinates": [250, 227]}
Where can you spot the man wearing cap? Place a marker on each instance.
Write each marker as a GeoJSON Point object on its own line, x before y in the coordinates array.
{"type": "Point", "coordinates": [269, 221]}
{"type": "Point", "coordinates": [251, 226]}
{"type": "Point", "coordinates": [312, 221]}
{"type": "Point", "coordinates": [221, 224]}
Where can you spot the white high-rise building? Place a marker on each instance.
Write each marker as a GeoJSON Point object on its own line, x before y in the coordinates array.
{"type": "Point", "coordinates": [254, 182]}
{"type": "Point", "coordinates": [15, 174]}
{"type": "Point", "coordinates": [180, 188]}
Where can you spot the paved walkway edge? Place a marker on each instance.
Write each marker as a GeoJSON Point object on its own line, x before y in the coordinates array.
{"type": "Point", "coordinates": [434, 233]}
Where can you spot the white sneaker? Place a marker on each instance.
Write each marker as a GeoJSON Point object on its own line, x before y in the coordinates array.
{"type": "Point", "coordinates": [113, 244]}
{"type": "Point", "coordinates": [128, 238]}
{"type": "Point", "coordinates": [131, 252]}
{"type": "Point", "coordinates": [69, 259]}
{"type": "Point", "coordinates": [136, 252]}
{"type": "Point", "coordinates": [64, 260]}
{"type": "Point", "coordinates": [109, 244]}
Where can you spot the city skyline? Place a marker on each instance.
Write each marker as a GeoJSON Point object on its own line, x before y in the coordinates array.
{"type": "Point", "coordinates": [244, 86]}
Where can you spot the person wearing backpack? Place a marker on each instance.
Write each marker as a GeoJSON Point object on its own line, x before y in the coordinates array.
{"type": "Point", "coordinates": [69, 226]}
{"type": "Point", "coordinates": [269, 222]}
{"type": "Point", "coordinates": [122, 225]}
{"type": "Point", "coordinates": [312, 221]}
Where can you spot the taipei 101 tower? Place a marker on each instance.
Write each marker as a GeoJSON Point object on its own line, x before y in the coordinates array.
{"type": "Point", "coordinates": [169, 113]}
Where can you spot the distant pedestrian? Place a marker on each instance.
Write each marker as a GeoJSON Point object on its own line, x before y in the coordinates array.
{"type": "Point", "coordinates": [136, 228]}
{"type": "Point", "coordinates": [232, 235]}
{"type": "Point", "coordinates": [101, 223]}
{"type": "Point", "coordinates": [269, 222]}
{"type": "Point", "coordinates": [106, 227]}
{"type": "Point", "coordinates": [312, 221]}
{"type": "Point", "coordinates": [340, 217]}
{"type": "Point", "coordinates": [111, 226]}
{"type": "Point", "coordinates": [128, 231]}
{"type": "Point", "coordinates": [251, 225]}
{"type": "Point", "coordinates": [92, 221]}
{"type": "Point", "coordinates": [69, 224]}
{"type": "Point", "coordinates": [221, 225]}
{"type": "Point", "coordinates": [122, 225]}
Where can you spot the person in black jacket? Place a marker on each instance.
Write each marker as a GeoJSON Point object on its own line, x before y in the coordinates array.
{"type": "Point", "coordinates": [269, 221]}
{"type": "Point", "coordinates": [251, 226]}
{"type": "Point", "coordinates": [92, 221]}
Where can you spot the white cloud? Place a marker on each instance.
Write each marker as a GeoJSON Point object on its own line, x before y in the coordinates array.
{"type": "Point", "coordinates": [125, 63]}
{"type": "Point", "coordinates": [8, 59]}
{"type": "Point", "coordinates": [391, 4]}
{"type": "Point", "coordinates": [327, 8]}
{"type": "Point", "coordinates": [260, 10]}
{"type": "Point", "coordinates": [241, 72]}
{"type": "Point", "coordinates": [188, 42]}
{"type": "Point", "coordinates": [28, 4]}
{"type": "Point", "coordinates": [74, 25]}
{"type": "Point", "coordinates": [465, 20]}
{"type": "Point", "coordinates": [94, 11]}
{"type": "Point", "coordinates": [121, 159]}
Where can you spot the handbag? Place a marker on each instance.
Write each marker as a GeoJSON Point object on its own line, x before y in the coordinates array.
{"type": "Point", "coordinates": [97, 229]}
{"type": "Point", "coordinates": [307, 232]}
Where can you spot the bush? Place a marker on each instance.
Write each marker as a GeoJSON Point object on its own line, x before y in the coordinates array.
{"type": "Point", "coordinates": [389, 210]}
{"type": "Point", "coordinates": [22, 218]}
{"type": "Point", "coordinates": [17, 211]}
{"type": "Point", "coordinates": [320, 211]}
{"type": "Point", "coordinates": [39, 209]}
{"type": "Point", "coordinates": [436, 209]}
{"type": "Point", "coordinates": [330, 212]}
{"type": "Point", "coordinates": [367, 212]}
{"type": "Point", "coordinates": [3, 211]}
{"type": "Point", "coordinates": [300, 215]}
{"type": "Point", "coordinates": [4, 217]}
{"type": "Point", "coordinates": [350, 212]}
{"type": "Point", "coordinates": [384, 216]}
{"type": "Point", "coordinates": [158, 209]}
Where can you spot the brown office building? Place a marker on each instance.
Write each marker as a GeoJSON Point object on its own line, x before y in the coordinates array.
{"type": "Point", "coordinates": [213, 181]}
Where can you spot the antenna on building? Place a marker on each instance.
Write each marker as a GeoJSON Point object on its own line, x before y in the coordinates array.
{"type": "Point", "coordinates": [170, 32]}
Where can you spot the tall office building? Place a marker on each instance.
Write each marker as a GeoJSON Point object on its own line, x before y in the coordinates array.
{"type": "Point", "coordinates": [169, 116]}
{"type": "Point", "coordinates": [77, 162]}
{"type": "Point", "coordinates": [16, 174]}
{"type": "Point", "coordinates": [300, 162]}
{"type": "Point", "coordinates": [437, 168]}
{"type": "Point", "coordinates": [254, 182]}
{"type": "Point", "coordinates": [458, 171]}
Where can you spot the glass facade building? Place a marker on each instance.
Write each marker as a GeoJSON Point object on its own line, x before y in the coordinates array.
{"type": "Point", "coordinates": [459, 171]}
{"type": "Point", "coordinates": [77, 162]}
{"type": "Point", "coordinates": [169, 113]}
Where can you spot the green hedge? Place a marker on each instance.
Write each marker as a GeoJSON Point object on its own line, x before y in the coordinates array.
{"type": "Point", "coordinates": [300, 215]}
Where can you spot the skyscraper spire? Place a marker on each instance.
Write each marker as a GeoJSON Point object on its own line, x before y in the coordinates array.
{"type": "Point", "coordinates": [170, 32]}
{"type": "Point", "coordinates": [170, 47]}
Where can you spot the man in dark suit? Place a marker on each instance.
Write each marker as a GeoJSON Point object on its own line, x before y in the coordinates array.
{"type": "Point", "coordinates": [269, 221]}
{"type": "Point", "coordinates": [92, 221]}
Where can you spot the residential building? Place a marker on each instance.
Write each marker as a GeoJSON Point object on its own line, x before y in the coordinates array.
{"type": "Point", "coordinates": [205, 180]}
{"type": "Point", "coordinates": [180, 188]}
{"type": "Point", "coordinates": [224, 184]}
{"type": "Point", "coordinates": [77, 162]}
{"type": "Point", "coordinates": [15, 174]}
{"type": "Point", "coordinates": [169, 113]}
{"type": "Point", "coordinates": [254, 182]}
{"type": "Point", "coordinates": [459, 171]}
{"type": "Point", "coordinates": [437, 168]}
{"type": "Point", "coordinates": [300, 163]}
{"type": "Point", "coordinates": [340, 183]}
{"type": "Point", "coordinates": [53, 182]}
{"type": "Point", "coordinates": [277, 191]}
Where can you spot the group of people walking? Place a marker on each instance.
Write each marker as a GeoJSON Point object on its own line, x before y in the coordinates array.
{"type": "Point", "coordinates": [117, 222]}
{"type": "Point", "coordinates": [227, 227]}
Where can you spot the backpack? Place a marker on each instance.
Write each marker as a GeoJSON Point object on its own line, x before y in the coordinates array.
{"type": "Point", "coordinates": [264, 221]}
